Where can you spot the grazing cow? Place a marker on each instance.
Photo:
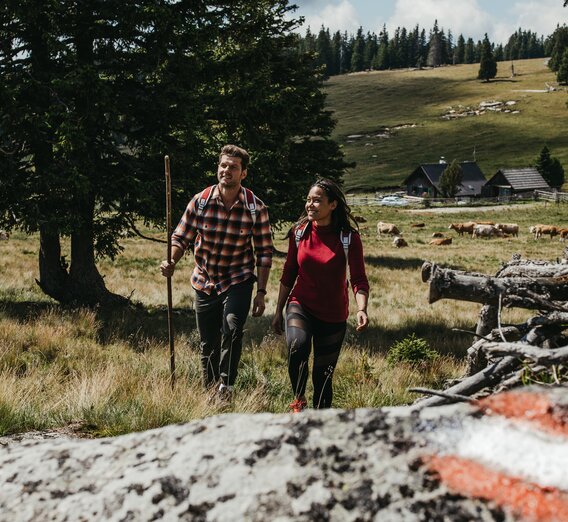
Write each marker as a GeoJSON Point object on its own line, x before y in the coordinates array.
{"type": "Point", "coordinates": [399, 242]}
{"type": "Point", "coordinates": [4, 236]}
{"type": "Point", "coordinates": [359, 219]}
{"type": "Point", "coordinates": [511, 229]}
{"type": "Point", "coordinates": [563, 232]}
{"type": "Point", "coordinates": [486, 231]}
{"type": "Point", "coordinates": [387, 228]}
{"type": "Point", "coordinates": [438, 234]}
{"type": "Point", "coordinates": [417, 225]}
{"type": "Point", "coordinates": [539, 230]}
{"type": "Point", "coordinates": [441, 241]}
{"type": "Point", "coordinates": [463, 228]}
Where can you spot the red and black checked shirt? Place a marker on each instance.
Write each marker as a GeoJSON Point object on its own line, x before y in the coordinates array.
{"type": "Point", "coordinates": [222, 242]}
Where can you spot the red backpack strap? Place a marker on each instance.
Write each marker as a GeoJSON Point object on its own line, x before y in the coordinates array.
{"type": "Point", "coordinates": [203, 199]}
{"type": "Point", "coordinates": [250, 203]}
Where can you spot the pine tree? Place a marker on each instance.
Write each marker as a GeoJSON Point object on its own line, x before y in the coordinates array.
{"type": "Point", "coordinates": [451, 179]}
{"type": "Point", "coordinates": [435, 46]}
{"type": "Point", "coordinates": [357, 58]}
{"type": "Point", "coordinates": [469, 55]}
{"type": "Point", "coordinates": [550, 168]}
{"type": "Point", "coordinates": [487, 64]}
{"type": "Point", "coordinates": [562, 75]}
{"type": "Point", "coordinates": [459, 51]}
{"type": "Point", "coordinates": [91, 98]}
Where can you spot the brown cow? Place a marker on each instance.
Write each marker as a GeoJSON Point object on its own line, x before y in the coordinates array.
{"type": "Point", "coordinates": [441, 241]}
{"type": "Point", "coordinates": [463, 228]}
{"type": "Point", "coordinates": [563, 232]}
{"type": "Point", "coordinates": [417, 225]}
{"type": "Point", "coordinates": [511, 229]}
{"type": "Point", "coordinates": [539, 230]}
{"type": "Point", "coordinates": [359, 219]}
{"type": "Point", "coordinates": [387, 228]}
{"type": "Point", "coordinates": [438, 234]}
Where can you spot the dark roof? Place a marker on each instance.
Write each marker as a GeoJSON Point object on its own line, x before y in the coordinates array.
{"type": "Point", "coordinates": [472, 181]}
{"type": "Point", "coordinates": [522, 179]}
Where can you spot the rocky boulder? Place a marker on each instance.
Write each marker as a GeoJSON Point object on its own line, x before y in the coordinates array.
{"type": "Point", "coordinates": [502, 458]}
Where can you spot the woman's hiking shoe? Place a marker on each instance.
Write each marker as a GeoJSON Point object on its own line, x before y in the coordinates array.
{"type": "Point", "coordinates": [298, 404]}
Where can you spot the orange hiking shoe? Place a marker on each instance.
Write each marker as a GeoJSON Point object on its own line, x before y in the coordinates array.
{"type": "Point", "coordinates": [298, 404]}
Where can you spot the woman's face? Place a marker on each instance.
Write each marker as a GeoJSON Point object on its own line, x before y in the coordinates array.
{"type": "Point", "coordinates": [318, 206]}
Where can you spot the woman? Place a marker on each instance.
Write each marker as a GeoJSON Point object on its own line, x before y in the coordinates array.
{"type": "Point", "coordinates": [318, 304]}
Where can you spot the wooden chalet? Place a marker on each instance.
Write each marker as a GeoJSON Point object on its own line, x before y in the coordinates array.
{"type": "Point", "coordinates": [425, 180]}
{"type": "Point", "coordinates": [508, 182]}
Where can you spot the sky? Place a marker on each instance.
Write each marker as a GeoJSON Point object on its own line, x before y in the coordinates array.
{"type": "Point", "coordinates": [472, 18]}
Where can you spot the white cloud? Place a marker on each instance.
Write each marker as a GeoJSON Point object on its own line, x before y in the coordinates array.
{"type": "Point", "coordinates": [336, 16]}
{"type": "Point", "coordinates": [470, 19]}
{"type": "Point", "coordinates": [540, 17]}
{"type": "Point", "coordinates": [465, 17]}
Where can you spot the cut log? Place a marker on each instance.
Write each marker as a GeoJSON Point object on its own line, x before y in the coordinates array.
{"type": "Point", "coordinates": [523, 292]}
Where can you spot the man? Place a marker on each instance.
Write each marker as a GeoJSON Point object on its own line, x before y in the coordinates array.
{"type": "Point", "coordinates": [223, 223]}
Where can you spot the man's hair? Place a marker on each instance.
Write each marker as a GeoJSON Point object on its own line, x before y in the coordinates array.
{"type": "Point", "coordinates": [236, 152]}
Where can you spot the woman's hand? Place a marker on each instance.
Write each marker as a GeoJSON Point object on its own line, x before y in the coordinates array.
{"type": "Point", "coordinates": [278, 323]}
{"type": "Point", "coordinates": [362, 320]}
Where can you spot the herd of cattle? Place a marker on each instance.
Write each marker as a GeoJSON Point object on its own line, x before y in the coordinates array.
{"type": "Point", "coordinates": [474, 229]}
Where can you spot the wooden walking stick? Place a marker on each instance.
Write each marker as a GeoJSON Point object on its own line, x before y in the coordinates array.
{"type": "Point", "coordinates": [169, 279]}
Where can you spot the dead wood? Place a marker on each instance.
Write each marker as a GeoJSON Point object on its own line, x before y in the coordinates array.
{"type": "Point", "coordinates": [501, 356]}
{"type": "Point", "coordinates": [523, 292]}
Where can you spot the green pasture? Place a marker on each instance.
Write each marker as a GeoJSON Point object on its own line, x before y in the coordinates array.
{"type": "Point", "coordinates": [367, 103]}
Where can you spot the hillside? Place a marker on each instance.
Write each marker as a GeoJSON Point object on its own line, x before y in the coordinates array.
{"type": "Point", "coordinates": [365, 104]}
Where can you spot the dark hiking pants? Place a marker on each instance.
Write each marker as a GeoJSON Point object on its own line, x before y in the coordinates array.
{"type": "Point", "coordinates": [220, 322]}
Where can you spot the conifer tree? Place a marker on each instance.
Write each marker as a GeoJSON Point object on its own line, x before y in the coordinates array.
{"type": "Point", "coordinates": [562, 75]}
{"type": "Point", "coordinates": [451, 179]}
{"type": "Point", "coordinates": [550, 168]}
{"type": "Point", "coordinates": [487, 64]}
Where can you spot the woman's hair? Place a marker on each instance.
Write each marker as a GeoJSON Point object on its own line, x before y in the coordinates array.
{"type": "Point", "coordinates": [341, 217]}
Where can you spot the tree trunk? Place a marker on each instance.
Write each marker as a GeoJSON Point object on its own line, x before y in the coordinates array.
{"type": "Point", "coordinates": [85, 284]}
{"type": "Point", "coordinates": [522, 292]}
{"type": "Point", "coordinates": [53, 276]}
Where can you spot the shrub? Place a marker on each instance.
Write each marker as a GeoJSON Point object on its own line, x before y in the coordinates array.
{"type": "Point", "coordinates": [411, 349]}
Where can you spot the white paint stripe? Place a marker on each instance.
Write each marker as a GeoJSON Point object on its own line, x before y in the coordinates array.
{"type": "Point", "coordinates": [512, 448]}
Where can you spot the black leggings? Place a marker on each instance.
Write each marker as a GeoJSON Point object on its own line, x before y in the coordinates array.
{"type": "Point", "coordinates": [301, 327]}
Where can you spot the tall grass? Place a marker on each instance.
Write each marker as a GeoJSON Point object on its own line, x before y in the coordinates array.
{"type": "Point", "coordinates": [107, 371]}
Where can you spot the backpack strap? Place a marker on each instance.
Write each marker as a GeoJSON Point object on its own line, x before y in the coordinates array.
{"type": "Point", "coordinates": [203, 199]}
{"type": "Point", "coordinates": [250, 203]}
{"type": "Point", "coordinates": [345, 238]}
{"type": "Point", "coordinates": [299, 232]}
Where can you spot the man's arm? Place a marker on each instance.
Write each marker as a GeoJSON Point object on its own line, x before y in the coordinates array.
{"type": "Point", "coordinates": [258, 304]}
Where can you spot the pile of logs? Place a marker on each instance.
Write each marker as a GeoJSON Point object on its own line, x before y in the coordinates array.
{"type": "Point", "coordinates": [503, 355]}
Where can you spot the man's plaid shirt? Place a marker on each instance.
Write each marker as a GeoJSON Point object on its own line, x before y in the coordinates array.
{"type": "Point", "coordinates": [222, 241]}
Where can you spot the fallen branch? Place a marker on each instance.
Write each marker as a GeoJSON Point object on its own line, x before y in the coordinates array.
{"type": "Point", "coordinates": [546, 357]}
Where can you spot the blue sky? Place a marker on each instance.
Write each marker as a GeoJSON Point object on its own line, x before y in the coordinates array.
{"type": "Point", "coordinates": [498, 18]}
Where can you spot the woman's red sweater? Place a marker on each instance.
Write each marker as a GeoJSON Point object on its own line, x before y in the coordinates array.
{"type": "Point", "coordinates": [318, 268]}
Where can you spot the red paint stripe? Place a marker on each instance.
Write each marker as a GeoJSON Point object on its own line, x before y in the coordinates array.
{"type": "Point", "coordinates": [531, 407]}
{"type": "Point", "coordinates": [530, 502]}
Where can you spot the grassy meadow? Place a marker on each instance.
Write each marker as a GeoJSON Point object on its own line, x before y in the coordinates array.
{"type": "Point", "coordinates": [106, 372]}
{"type": "Point", "coordinates": [415, 100]}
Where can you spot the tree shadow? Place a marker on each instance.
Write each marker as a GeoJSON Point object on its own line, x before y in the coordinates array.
{"type": "Point", "coordinates": [136, 325]}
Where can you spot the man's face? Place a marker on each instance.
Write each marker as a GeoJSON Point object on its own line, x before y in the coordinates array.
{"type": "Point", "coordinates": [230, 172]}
